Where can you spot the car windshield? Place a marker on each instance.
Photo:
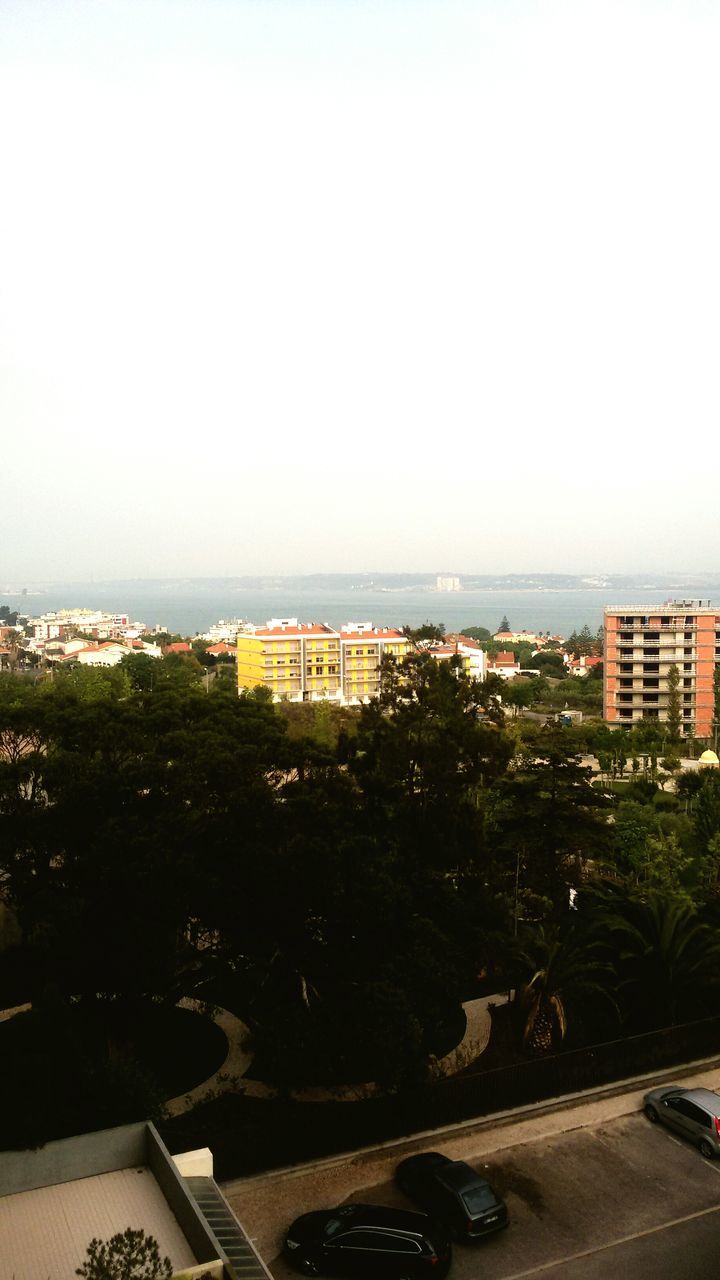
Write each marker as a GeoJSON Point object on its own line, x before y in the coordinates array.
{"type": "Point", "coordinates": [479, 1199]}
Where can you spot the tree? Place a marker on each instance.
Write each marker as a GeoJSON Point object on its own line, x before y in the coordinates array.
{"type": "Point", "coordinates": [544, 822]}
{"type": "Point", "coordinates": [519, 694]}
{"type": "Point", "coordinates": [129, 1255]}
{"type": "Point", "coordinates": [477, 633]}
{"type": "Point", "coordinates": [673, 706]}
{"type": "Point", "coordinates": [584, 643]}
{"type": "Point", "coordinates": [658, 861]}
{"type": "Point", "coordinates": [668, 958]}
{"type": "Point", "coordinates": [141, 670]}
{"type": "Point", "coordinates": [504, 625]}
{"type": "Point", "coordinates": [716, 703]}
{"type": "Point", "coordinates": [707, 806]}
{"type": "Point", "coordinates": [564, 972]}
{"type": "Point", "coordinates": [549, 663]}
{"type": "Point", "coordinates": [428, 633]}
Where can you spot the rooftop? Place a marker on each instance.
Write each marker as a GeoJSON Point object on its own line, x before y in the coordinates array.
{"type": "Point", "coordinates": [46, 1231]}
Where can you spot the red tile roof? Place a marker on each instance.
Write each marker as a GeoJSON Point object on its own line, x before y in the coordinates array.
{"type": "Point", "coordinates": [461, 639]}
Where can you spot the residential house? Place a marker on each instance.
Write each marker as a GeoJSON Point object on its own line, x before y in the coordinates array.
{"type": "Point", "coordinates": [503, 664]}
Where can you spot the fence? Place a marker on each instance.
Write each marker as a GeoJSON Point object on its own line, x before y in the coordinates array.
{"type": "Point", "coordinates": [462, 1097]}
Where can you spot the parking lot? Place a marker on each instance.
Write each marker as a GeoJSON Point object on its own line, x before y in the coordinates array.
{"type": "Point", "coordinates": [588, 1197]}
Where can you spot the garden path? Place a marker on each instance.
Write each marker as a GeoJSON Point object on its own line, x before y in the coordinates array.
{"type": "Point", "coordinates": [231, 1075]}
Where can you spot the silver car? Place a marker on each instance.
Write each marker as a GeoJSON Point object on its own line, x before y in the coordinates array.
{"type": "Point", "coordinates": [694, 1113]}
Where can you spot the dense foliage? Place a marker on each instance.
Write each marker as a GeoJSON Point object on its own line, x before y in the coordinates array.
{"type": "Point", "coordinates": [343, 880]}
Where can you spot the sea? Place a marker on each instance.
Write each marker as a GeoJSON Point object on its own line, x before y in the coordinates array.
{"type": "Point", "coordinates": [190, 608]}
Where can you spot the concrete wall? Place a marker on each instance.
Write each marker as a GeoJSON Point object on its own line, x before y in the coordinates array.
{"type": "Point", "coordinates": [197, 1232]}
{"type": "Point", "coordinates": [70, 1158]}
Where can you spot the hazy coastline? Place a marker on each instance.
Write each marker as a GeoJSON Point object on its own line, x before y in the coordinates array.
{"type": "Point", "coordinates": [541, 602]}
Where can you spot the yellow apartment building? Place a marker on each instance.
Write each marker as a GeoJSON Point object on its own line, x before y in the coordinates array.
{"type": "Point", "coordinates": [295, 660]}
{"type": "Point", "coordinates": [362, 648]}
{"type": "Point", "coordinates": [307, 662]}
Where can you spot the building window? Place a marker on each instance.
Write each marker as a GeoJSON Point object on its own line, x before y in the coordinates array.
{"type": "Point", "coordinates": [687, 666]}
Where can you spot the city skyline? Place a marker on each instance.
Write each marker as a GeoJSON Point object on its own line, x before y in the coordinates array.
{"type": "Point", "coordinates": [304, 286]}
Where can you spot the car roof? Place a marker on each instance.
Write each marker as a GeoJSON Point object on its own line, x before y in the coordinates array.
{"type": "Point", "coordinates": [458, 1176]}
{"type": "Point", "coordinates": [425, 1159]}
{"type": "Point", "coordinates": [705, 1097]}
{"type": "Point", "coordinates": [381, 1215]}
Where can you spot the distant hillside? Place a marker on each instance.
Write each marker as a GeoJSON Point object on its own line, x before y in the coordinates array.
{"type": "Point", "coordinates": [685, 584]}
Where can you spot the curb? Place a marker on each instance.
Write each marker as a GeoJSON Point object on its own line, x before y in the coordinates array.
{"type": "Point", "coordinates": [563, 1102]}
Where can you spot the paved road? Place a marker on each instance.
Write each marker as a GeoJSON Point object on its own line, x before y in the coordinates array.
{"type": "Point", "coordinates": [586, 1176]}
{"type": "Point", "coordinates": [616, 1199]}
{"type": "Point", "coordinates": [688, 1250]}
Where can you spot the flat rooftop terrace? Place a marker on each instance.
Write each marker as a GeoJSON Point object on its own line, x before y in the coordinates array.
{"type": "Point", "coordinates": [44, 1233]}
{"type": "Point", "coordinates": [56, 1199]}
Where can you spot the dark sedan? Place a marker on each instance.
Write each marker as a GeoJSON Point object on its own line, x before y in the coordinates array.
{"type": "Point", "coordinates": [453, 1192]}
{"type": "Point", "coordinates": [368, 1240]}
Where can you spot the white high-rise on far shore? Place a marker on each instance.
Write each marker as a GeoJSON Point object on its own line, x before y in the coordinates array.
{"type": "Point", "coordinates": [447, 583]}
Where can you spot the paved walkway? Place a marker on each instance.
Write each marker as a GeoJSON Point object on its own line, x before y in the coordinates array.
{"type": "Point", "coordinates": [232, 1074]}
{"type": "Point", "coordinates": [6, 1014]}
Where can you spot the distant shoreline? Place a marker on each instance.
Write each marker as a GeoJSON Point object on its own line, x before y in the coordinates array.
{"type": "Point", "coordinates": [685, 583]}
{"type": "Point", "coordinates": [190, 607]}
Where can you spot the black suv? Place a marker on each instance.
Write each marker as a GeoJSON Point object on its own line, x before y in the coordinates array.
{"type": "Point", "coordinates": [453, 1192]}
{"type": "Point", "coordinates": [368, 1240]}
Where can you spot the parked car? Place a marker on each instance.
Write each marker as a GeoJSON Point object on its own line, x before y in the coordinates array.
{"type": "Point", "coordinates": [453, 1192]}
{"type": "Point", "coordinates": [368, 1240]}
{"type": "Point", "coordinates": [695, 1113]}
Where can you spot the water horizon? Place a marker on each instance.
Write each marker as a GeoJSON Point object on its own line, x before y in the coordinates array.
{"type": "Point", "coordinates": [189, 608]}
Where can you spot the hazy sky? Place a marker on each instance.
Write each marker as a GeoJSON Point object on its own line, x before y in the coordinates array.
{"type": "Point", "coordinates": [345, 284]}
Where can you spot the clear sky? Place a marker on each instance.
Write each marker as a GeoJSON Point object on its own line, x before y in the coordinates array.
{"type": "Point", "coordinates": [358, 285]}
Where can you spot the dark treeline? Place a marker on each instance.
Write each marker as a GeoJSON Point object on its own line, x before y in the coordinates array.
{"type": "Point", "coordinates": [341, 879]}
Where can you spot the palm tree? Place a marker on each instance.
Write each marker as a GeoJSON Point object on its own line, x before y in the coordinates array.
{"type": "Point", "coordinates": [564, 970]}
{"type": "Point", "coordinates": [671, 958]}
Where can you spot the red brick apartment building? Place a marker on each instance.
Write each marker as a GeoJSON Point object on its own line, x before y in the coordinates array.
{"type": "Point", "coordinates": [642, 644]}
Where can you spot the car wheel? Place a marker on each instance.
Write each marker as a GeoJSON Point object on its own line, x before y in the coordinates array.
{"type": "Point", "coordinates": [308, 1266]}
{"type": "Point", "coordinates": [707, 1149]}
{"type": "Point", "coordinates": [651, 1114]}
